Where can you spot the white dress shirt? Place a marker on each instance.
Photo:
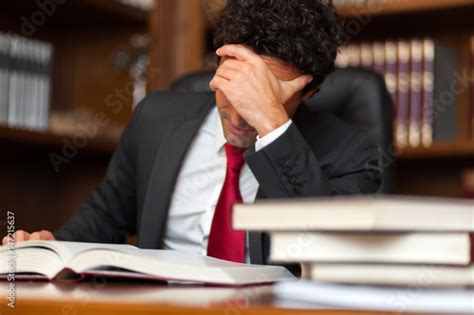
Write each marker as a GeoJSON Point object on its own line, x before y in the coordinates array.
{"type": "Point", "coordinates": [199, 184]}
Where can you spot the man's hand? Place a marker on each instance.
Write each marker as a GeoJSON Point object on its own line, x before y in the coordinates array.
{"type": "Point", "coordinates": [21, 235]}
{"type": "Point", "coordinates": [254, 91]}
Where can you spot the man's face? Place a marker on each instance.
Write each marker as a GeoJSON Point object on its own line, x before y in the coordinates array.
{"type": "Point", "coordinates": [236, 130]}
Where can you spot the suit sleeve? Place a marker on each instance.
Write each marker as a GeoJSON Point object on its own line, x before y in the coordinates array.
{"type": "Point", "coordinates": [288, 168]}
{"type": "Point", "coordinates": [109, 214]}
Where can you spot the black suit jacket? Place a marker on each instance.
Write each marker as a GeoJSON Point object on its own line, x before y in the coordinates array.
{"type": "Point", "coordinates": [318, 155]}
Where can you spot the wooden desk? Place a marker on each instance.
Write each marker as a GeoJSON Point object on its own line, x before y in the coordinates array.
{"type": "Point", "coordinates": [103, 298]}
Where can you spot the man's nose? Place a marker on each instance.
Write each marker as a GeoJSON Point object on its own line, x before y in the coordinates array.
{"type": "Point", "coordinates": [236, 119]}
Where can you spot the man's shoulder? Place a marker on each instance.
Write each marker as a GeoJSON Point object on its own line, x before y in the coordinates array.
{"type": "Point", "coordinates": [174, 103]}
{"type": "Point", "coordinates": [331, 138]}
{"type": "Point", "coordinates": [327, 127]}
{"type": "Point", "coordinates": [338, 127]}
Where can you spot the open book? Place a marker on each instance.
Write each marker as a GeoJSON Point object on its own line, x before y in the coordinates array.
{"type": "Point", "coordinates": [57, 260]}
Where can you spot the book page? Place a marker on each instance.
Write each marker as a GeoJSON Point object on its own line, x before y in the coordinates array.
{"type": "Point", "coordinates": [49, 257]}
{"type": "Point", "coordinates": [67, 250]}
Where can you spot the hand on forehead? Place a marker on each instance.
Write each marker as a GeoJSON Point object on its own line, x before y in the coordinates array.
{"type": "Point", "coordinates": [237, 51]}
{"type": "Point", "coordinates": [282, 70]}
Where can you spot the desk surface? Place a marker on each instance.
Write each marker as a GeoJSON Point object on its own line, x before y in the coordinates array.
{"type": "Point", "coordinates": [103, 298]}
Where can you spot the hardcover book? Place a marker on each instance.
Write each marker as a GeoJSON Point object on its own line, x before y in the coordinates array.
{"type": "Point", "coordinates": [57, 260]}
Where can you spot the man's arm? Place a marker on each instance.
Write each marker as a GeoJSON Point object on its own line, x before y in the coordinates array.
{"type": "Point", "coordinates": [288, 168]}
{"type": "Point", "coordinates": [110, 212]}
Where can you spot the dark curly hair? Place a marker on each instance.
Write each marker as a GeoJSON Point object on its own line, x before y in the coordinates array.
{"type": "Point", "coordinates": [305, 33]}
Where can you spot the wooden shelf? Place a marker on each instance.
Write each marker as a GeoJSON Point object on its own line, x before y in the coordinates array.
{"type": "Point", "coordinates": [77, 13]}
{"type": "Point", "coordinates": [449, 150]}
{"type": "Point", "coordinates": [400, 7]}
{"type": "Point", "coordinates": [52, 140]}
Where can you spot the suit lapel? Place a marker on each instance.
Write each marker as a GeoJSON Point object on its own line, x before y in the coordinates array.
{"type": "Point", "coordinates": [166, 168]}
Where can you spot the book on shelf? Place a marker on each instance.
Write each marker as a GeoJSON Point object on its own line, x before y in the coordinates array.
{"type": "Point", "coordinates": [403, 93]}
{"type": "Point", "coordinates": [445, 107]}
{"type": "Point", "coordinates": [419, 74]}
{"type": "Point", "coordinates": [416, 100]}
{"type": "Point", "coordinates": [362, 247]}
{"type": "Point", "coordinates": [390, 74]}
{"type": "Point", "coordinates": [357, 213]}
{"type": "Point", "coordinates": [427, 93]}
{"type": "Point", "coordinates": [24, 82]}
{"type": "Point", "coordinates": [4, 75]}
{"type": "Point", "coordinates": [62, 261]}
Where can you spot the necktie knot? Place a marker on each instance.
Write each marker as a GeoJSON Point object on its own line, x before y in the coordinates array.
{"type": "Point", "coordinates": [235, 157]}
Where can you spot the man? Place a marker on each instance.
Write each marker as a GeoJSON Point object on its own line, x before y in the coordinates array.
{"type": "Point", "coordinates": [182, 161]}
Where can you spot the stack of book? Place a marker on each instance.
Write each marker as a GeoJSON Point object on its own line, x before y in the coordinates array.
{"type": "Point", "coordinates": [422, 77]}
{"type": "Point", "coordinates": [390, 241]}
{"type": "Point", "coordinates": [24, 82]}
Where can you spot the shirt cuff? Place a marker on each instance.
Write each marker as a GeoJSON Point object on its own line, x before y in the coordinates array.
{"type": "Point", "coordinates": [272, 136]}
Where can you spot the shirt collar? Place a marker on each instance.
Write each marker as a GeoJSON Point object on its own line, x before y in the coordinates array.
{"type": "Point", "coordinates": [220, 138]}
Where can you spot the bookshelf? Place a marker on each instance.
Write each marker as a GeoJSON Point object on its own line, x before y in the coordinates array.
{"type": "Point", "coordinates": [436, 170]}
{"type": "Point", "coordinates": [86, 36]}
{"type": "Point", "coordinates": [96, 146]}
{"type": "Point", "coordinates": [400, 7]}
{"type": "Point", "coordinates": [453, 150]}
{"type": "Point", "coordinates": [75, 13]}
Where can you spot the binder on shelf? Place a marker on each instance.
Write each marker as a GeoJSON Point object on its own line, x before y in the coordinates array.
{"type": "Point", "coordinates": [416, 72]}
{"type": "Point", "coordinates": [4, 74]}
{"type": "Point", "coordinates": [403, 94]}
{"type": "Point", "coordinates": [427, 91]}
{"type": "Point", "coordinates": [24, 82]}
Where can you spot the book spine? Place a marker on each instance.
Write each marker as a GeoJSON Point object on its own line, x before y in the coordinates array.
{"type": "Point", "coordinates": [391, 72]}
{"type": "Point", "coordinates": [36, 103]}
{"type": "Point", "coordinates": [403, 94]}
{"type": "Point", "coordinates": [46, 57]}
{"type": "Point", "coordinates": [4, 69]}
{"type": "Point", "coordinates": [353, 52]}
{"type": "Point", "coordinates": [427, 93]}
{"type": "Point", "coordinates": [13, 82]}
{"type": "Point", "coordinates": [366, 55]}
{"type": "Point", "coordinates": [445, 99]}
{"type": "Point", "coordinates": [22, 87]}
{"type": "Point", "coordinates": [416, 59]}
{"type": "Point", "coordinates": [29, 101]}
{"type": "Point", "coordinates": [342, 59]}
{"type": "Point", "coordinates": [379, 58]}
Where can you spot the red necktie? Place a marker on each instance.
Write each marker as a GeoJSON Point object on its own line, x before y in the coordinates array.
{"type": "Point", "coordinates": [224, 242]}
